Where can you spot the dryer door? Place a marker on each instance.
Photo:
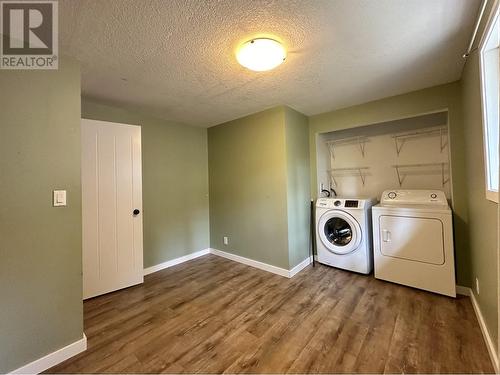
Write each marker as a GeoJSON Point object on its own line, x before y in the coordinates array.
{"type": "Point", "coordinates": [419, 239]}
{"type": "Point", "coordinates": [339, 232]}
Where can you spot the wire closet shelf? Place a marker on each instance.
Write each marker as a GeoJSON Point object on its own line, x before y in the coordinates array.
{"type": "Point", "coordinates": [358, 140]}
{"type": "Point", "coordinates": [402, 138]}
{"type": "Point", "coordinates": [335, 173]}
{"type": "Point", "coordinates": [403, 170]}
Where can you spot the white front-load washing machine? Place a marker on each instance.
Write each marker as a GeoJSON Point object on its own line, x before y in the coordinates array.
{"type": "Point", "coordinates": [343, 233]}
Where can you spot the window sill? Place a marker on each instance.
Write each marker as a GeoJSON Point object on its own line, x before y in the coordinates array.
{"type": "Point", "coordinates": [492, 195]}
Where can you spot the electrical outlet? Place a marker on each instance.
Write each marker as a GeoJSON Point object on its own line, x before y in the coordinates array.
{"type": "Point", "coordinates": [477, 285]}
{"type": "Point", "coordinates": [226, 240]}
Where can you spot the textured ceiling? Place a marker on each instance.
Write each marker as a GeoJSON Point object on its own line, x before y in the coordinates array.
{"type": "Point", "coordinates": [175, 58]}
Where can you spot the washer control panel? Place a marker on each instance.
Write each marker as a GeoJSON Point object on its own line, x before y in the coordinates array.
{"type": "Point", "coordinates": [351, 203]}
{"type": "Point", "coordinates": [427, 197]}
{"type": "Point", "coordinates": [342, 203]}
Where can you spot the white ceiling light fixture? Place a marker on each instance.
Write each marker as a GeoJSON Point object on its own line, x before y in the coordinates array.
{"type": "Point", "coordinates": [261, 54]}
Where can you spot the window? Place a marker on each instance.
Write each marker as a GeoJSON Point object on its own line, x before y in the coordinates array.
{"type": "Point", "coordinates": [489, 58]}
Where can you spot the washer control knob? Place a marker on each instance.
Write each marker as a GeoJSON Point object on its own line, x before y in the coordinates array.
{"type": "Point", "coordinates": [392, 195]}
{"type": "Point", "coordinates": [434, 195]}
{"type": "Point", "coordinates": [337, 203]}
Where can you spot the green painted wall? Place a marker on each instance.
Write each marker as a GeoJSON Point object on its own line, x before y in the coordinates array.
{"type": "Point", "coordinates": [408, 105]}
{"type": "Point", "coordinates": [175, 182]}
{"type": "Point", "coordinates": [259, 186]}
{"type": "Point", "coordinates": [483, 214]}
{"type": "Point", "coordinates": [248, 198]}
{"type": "Point", "coordinates": [40, 252]}
{"type": "Point", "coordinates": [298, 188]}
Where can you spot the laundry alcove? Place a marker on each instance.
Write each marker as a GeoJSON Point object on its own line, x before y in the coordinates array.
{"type": "Point", "coordinates": [409, 153]}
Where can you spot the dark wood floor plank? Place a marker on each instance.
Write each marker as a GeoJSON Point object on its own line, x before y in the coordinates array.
{"type": "Point", "coordinates": [212, 315]}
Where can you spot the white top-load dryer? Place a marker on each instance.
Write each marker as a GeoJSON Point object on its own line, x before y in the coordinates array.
{"type": "Point", "coordinates": [413, 240]}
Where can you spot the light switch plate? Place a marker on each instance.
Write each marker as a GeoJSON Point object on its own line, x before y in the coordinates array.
{"type": "Point", "coordinates": [59, 198]}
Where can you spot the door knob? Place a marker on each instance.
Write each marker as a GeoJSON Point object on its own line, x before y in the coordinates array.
{"type": "Point", "coordinates": [136, 212]}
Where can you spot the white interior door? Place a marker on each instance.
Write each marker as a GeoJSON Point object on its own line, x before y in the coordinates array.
{"type": "Point", "coordinates": [111, 207]}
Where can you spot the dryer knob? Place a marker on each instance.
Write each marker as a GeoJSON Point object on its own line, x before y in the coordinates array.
{"type": "Point", "coordinates": [392, 195]}
{"type": "Point", "coordinates": [337, 203]}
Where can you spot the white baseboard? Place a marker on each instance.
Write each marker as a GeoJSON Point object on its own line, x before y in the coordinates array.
{"type": "Point", "coordinates": [263, 266]}
{"type": "Point", "coordinates": [251, 262]}
{"type": "Point", "coordinates": [53, 358]}
{"type": "Point", "coordinates": [175, 261]}
{"type": "Point", "coordinates": [299, 267]}
{"type": "Point", "coordinates": [463, 290]}
{"type": "Point", "coordinates": [484, 329]}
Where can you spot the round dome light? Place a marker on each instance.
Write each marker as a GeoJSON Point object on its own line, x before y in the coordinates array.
{"type": "Point", "coordinates": [261, 54]}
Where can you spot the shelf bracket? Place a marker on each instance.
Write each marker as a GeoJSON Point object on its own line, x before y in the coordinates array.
{"type": "Point", "coordinates": [444, 140]}
{"type": "Point", "coordinates": [362, 176]}
{"type": "Point", "coordinates": [399, 146]}
{"type": "Point", "coordinates": [401, 176]}
{"type": "Point", "coordinates": [362, 144]}
{"type": "Point", "coordinates": [333, 181]}
{"type": "Point", "coordinates": [331, 149]}
{"type": "Point", "coordinates": [359, 141]}
{"type": "Point", "coordinates": [443, 178]}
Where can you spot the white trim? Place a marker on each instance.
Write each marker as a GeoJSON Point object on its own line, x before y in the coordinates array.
{"type": "Point", "coordinates": [491, 195]}
{"type": "Point", "coordinates": [252, 263]}
{"type": "Point", "coordinates": [299, 267]}
{"type": "Point", "coordinates": [237, 258]}
{"type": "Point", "coordinates": [486, 333]}
{"type": "Point", "coordinates": [176, 261]}
{"type": "Point", "coordinates": [53, 358]}
{"type": "Point", "coordinates": [111, 123]}
{"type": "Point", "coordinates": [263, 266]}
{"type": "Point", "coordinates": [463, 290]}
{"type": "Point", "coordinates": [484, 329]}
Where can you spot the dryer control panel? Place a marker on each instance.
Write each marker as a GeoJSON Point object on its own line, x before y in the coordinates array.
{"type": "Point", "coordinates": [414, 197]}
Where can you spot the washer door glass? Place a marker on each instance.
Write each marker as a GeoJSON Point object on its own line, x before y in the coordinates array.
{"type": "Point", "coordinates": [338, 231]}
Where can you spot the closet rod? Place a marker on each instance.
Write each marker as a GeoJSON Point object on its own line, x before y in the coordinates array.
{"type": "Point", "coordinates": [476, 28]}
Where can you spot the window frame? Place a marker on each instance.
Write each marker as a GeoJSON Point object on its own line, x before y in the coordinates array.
{"type": "Point", "coordinates": [491, 195]}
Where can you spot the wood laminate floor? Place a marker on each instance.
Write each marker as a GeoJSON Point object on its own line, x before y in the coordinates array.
{"type": "Point", "coordinates": [212, 315]}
